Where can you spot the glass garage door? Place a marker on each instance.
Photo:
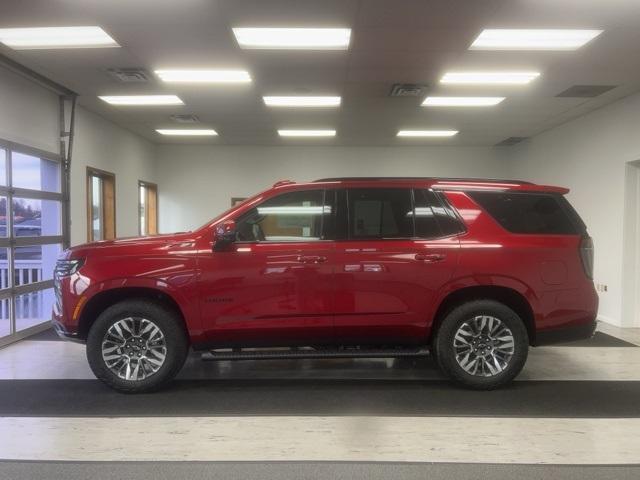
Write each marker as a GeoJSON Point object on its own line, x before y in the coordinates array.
{"type": "Point", "coordinates": [30, 237]}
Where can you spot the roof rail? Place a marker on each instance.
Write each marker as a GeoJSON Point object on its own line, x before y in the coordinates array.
{"type": "Point", "coordinates": [282, 182]}
{"type": "Point", "coordinates": [436, 179]}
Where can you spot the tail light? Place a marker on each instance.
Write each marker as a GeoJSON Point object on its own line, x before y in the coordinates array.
{"type": "Point", "coordinates": [586, 255]}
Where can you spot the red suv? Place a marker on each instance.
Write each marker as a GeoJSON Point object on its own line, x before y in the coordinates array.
{"type": "Point", "coordinates": [471, 271]}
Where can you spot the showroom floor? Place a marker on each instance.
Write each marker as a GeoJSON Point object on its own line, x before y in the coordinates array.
{"type": "Point", "coordinates": [576, 406]}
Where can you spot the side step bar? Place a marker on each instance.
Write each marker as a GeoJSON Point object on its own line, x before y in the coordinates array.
{"type": "Point", "coordinates": [265, 354]}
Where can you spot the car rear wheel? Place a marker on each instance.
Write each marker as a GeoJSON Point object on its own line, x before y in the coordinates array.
{"type": "Point", "coordinates": [136, 346]}
{"type": "Point", "coordinates": [482, 344]}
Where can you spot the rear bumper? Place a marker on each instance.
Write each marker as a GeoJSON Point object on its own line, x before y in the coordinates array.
{"type": "Point", "coordinates": [565, 334]}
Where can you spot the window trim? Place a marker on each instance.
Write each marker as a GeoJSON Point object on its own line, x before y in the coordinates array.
{"type": "Point", "coordinates": [154, 186]}
{"type": "Point", "coordinates": [102, 174]}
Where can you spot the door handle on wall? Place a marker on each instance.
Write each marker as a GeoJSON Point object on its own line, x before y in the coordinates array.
{"type": "Point", "coordinates": [311, 259]}
{"type": "Point", "coordinates": [430, 257]}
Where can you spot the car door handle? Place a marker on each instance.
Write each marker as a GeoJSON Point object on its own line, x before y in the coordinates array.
{"type": "Point", "coordinates": [430, 257]}
{"type": "Point", "coordinates": [311, 259]}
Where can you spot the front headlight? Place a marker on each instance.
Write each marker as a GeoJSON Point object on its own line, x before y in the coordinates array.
{"type": "Point", "coordinates": [64, 268]}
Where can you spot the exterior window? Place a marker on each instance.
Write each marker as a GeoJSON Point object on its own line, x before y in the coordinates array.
{"type": "Point", "coordinates": [147, 208]}
{"type": "Point", "coordinates": [380, 213]}
{"type": "Point", "coordinates": [434, 217]}
{"type": "Point", "coordinates": [425, 218]}
{"type": "Point", "coordinates": [533, 213]}
{"type": "Point", "coordinates": [290, 217]}
{"type": "Point", "coordinates": [101, 206]}
{"type": "Point", "coordinates": [31, 236]}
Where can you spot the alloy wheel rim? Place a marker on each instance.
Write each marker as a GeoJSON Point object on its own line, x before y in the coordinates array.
{"type": "Point", "coordinates": [484, 346]}
{"type": "Point", "coordinates": [134, 348]}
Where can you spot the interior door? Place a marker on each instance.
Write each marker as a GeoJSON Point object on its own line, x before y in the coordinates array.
{"type": "Point", "coordinates": [389, 267]}
{"type": "Point", "coordinates": [274, 285]}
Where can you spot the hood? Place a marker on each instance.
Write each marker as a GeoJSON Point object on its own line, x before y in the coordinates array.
{"type": "Point", "coordinates": [127, 245]}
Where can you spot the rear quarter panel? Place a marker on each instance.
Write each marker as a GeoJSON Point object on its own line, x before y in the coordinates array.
{"type": "Point", "coordinates": [545, 269]}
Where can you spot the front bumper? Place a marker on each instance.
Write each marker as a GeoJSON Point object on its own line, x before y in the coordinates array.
{"type": "Point", "coordinates": [565, 334]}
{"type": "Point", "coordinates": [71, 336]}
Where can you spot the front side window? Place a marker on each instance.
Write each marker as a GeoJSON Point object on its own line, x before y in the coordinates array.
{"type": "Point", "coordinates": [380, 213]}
{"type": "Point", "coordinates": [289, 217]}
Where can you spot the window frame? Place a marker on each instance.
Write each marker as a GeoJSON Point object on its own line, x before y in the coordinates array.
{"type": "Point", "coordinates": [272, 242]}
{"type": "Point", "coordinates": [12, 292]}
{"type": "Point", "coordinates": [154, 187]}
{"type": "Point", "coordinates": [109, 177]}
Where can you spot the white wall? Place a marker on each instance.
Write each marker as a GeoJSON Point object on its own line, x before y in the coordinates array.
{"type": "Point", "coordinates": [197, 182]}
{"type": "Point", "coordinates": [590, 156]}
{"type": "Point", "coordinates": [101, 144]}
{"type": "Point", "coordinates": [28, 113]}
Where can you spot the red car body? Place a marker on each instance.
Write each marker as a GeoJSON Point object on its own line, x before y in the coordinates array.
{"type": "Point", "coordinates": [343, 292]}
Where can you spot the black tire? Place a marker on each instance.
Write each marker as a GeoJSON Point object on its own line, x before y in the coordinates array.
{"type": "Point", "coordinates": [444, 344]}
{"type": "Point", "coordinates": [175, 338]}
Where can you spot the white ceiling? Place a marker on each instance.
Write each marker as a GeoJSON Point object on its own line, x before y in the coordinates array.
{"type": "Point", "coordinates": [412, 41]}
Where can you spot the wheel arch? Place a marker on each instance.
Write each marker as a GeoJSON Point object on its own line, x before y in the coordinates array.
{"type": "Point", "coordinates": [105, 298]}
{"type": "Point", "coordinates": [508, 296]}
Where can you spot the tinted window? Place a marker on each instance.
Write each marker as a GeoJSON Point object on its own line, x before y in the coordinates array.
{"type": "Point", "coordinates": [425, 217]}
{"type": "Point", "coordinates": [527, 212]}
{"type": "Point", "coordinates": [449, 222]}
{"type": "Point", "coordinates": [434, 216]}
{"type": "Point", "coordinates": [380, 213]}
{"type": "Point", "coordinates": [290, 217]}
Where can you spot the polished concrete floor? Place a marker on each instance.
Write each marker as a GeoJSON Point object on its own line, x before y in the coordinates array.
{"type": "Point", "coordinates": [573, 405]}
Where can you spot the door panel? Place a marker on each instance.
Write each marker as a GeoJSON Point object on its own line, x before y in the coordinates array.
{"type": "Point", "coordinates": [387, 278]}
{"type": "Point", "coordinates": [385, 288]}
{"type": "Point", "coordinates": [274, 286]}
{"type": "Point", "coordinates": [269, 294]}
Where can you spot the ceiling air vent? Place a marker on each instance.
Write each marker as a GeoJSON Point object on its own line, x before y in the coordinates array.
{"type": "Point", "coordinates": [185, 118]}
{"type": "Point", "coordinates": [507, 142]}
{"type": "Point", "coordinates": [128, 75]}
{"type": "Point", "coordinates": [586, 91]}
{"type": "Point", "coordinates": [407, 90]}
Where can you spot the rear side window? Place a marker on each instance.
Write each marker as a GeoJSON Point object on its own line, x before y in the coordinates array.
{"type": "Point", "coordinates": [380, 213]}
{"type": "Point", "coordinates": [532, 213]}
{"type": "Point", "coordinates": [434, 217]}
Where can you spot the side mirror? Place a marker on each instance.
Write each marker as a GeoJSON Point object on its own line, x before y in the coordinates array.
{"type": "Point", "coordinates": [224, 234]}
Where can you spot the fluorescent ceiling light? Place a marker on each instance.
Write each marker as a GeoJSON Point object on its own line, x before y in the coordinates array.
{"type": "Point", "coordinates": [302, 101]}
{"type": "Point", "coordinates": [461, 101]}
{"type": "Point", "coordinates": [204, 76]}
{"type": "Point", "coordinates": [142, 99]}
{"type": "Point", "coordinates": [293, 38]}
{"type": "Point", "coordinates": [533, 39]}
{"type": "Point", "coordinates": [56, 37]}
{"type": "Point", "coordinates": [427, 133]}
{"type": "Point", "coordinates": [202, 132]}
{"type": "Point", "coordinates": [489, 78]}
{"type": "Point", "coordinates": [307, 133]}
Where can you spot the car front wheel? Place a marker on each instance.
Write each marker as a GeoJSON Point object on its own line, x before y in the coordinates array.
{"type": "Point", "coordinates": [136, 346]}
{"type": "Point", "coordinates": [482, 344]}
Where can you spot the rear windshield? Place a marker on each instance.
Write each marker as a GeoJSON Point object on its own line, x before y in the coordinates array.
{"type": "Point", "coordinates": [533, 213]}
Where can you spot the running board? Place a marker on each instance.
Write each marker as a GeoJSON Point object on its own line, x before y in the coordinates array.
{"type": "Point", "coordinates": [266, 354]}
